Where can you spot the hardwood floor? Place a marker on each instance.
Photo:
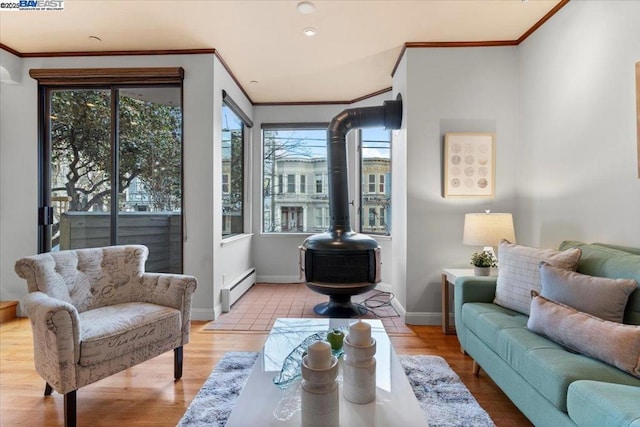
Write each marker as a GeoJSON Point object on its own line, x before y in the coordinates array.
{"type": "Point", "coordinates": [147, 395]}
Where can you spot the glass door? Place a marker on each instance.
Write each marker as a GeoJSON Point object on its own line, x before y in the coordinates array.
{"type": "Point", "coordinates": [77, 214]}
{"type": "Point", "coordinates": [111, 164]}
{"type": "Point", "coordinates": [150, 174]}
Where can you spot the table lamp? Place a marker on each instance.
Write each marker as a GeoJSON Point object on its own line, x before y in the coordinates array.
{"type": "Point", "coordinates": [488, 229]}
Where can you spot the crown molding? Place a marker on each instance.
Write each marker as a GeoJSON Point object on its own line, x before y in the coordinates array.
{"type": "Point", "coordinates": [348, 102]}
{"type": "Point", "coordinates": [542, 20]}
{"type": "Point", "coordinates": [233, 76]}
{"type": "Point", "coordinates": [108, 52]}
{"type": "Point", "coordinates": [516, 42]}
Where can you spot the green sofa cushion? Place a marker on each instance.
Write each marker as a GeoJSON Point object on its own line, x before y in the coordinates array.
{"type": "Point", "coordinates": [552, 370]}
{"type": "Point", "coordinates": [596, 404]}
{"type": "Point", "coordinates": [486, 320]}
{"type": "Point", "coordinates": [605, 261]}
{"type": "Point", "coordinates": [545, 365]}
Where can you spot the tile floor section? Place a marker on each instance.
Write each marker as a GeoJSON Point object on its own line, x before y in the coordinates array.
{"type": "Point", "coordinates": [259, 308]}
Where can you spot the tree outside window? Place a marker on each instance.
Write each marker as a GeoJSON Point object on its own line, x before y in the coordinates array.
{"type": "Point", "coordinates": [232, 172]}
{"type": "Point", "coordinates": [124, 187]}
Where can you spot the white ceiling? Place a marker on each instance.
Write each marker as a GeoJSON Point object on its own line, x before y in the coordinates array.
{"type": "Point", "coordinates": [352, 55]}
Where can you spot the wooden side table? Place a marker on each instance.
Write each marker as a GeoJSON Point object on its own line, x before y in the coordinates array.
{"type": "Point", "coordinates": [449, 276]}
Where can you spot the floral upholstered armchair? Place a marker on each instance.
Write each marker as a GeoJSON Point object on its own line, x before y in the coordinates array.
{"type": "Point", "coordinates": [95, 312]}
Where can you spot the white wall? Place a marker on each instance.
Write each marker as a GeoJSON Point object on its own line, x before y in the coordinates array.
{"type": "Point", "coordinates": [398, 192]}
{"type": "Point", "coordinates": [10, 68]}
{"type": "Point", "coordinates": [447, 90]}
{"type": "Point", "coordinates": [577, 167]}
{"type": "Point", "coordinates": [276, 254]}
{"type": "Point", "coordinates": [232, 256]}
{"type": "Point", "coordinates": [203, 83]}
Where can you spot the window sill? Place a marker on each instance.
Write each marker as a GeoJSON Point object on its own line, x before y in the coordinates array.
{"type": "Point", "coordinates": [305, 235]}
{"type": "Point", "coordinates": [233, 239]}
{"type": "Point", "coordinates": [379, 236]}
{"type": "Point", "coordinates": [289, 235]}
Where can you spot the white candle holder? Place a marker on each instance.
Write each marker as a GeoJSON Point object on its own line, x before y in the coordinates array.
{"type": "Point", "coordinates": [359, 372]}
{"type": "Point", "coordinates": [319, 396]}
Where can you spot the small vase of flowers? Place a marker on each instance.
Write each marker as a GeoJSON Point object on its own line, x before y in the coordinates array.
{"type": "Point", "coordinates": [482, 263]}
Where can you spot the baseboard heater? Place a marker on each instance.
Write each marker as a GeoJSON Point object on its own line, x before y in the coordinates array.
{"type": "Point", "coordinates": [233, 290]}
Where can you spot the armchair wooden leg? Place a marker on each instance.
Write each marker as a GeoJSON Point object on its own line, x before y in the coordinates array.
{"type": "Point", "coordinates": [177, 363]}
{"type": "Point", "coordinates": [47, 389]}
{"type": "Point", "coordinates": [70, 409]}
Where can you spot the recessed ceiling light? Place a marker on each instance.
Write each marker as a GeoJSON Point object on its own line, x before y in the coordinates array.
{"type": "Point", "coordinates": [306, 7]}
{"type": "Point", "coordinates": [254, 82]}
{"type": "Point", "coordinates": [96, 38]}
{"type": "Point", "coordinates": [309, 31]}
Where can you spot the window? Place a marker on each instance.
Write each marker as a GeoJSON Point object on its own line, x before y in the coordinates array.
{"type": "Point", "coordinates": [321, 220]}
{"type": "Point", "coordinates": [375, 162]}
{"type": "Point", "coordinates": [290, 151]}
{"type": "Point", "coordinates": [372, 217]}
{"type": "Point", "coordinates": [319, 217]}
{"type": "Point", "coordinates": [234, 121]}
{"type": "Point", "coordinates": [291, 183]}
{"type": "Point", "coordinates": [319, 188]}
{"type": "Point", "coordinates": [225, 183]}
{"type": "Point", "coordinates": [111, 161]}
{"type": "Point", "coordinates": [232, 172]}
{"type": "Point", "coordinates": [372, 184]}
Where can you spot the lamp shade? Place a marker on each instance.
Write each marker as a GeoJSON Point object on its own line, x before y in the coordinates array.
{"type": "Point", "coordinates": [488, 229]}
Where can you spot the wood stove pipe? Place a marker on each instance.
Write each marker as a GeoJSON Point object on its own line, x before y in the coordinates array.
{"type": "Point", "coordinates": [388, 115]}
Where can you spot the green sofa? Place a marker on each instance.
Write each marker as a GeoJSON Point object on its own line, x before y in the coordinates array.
{"type": "Point", "coordinates": [551, 385]}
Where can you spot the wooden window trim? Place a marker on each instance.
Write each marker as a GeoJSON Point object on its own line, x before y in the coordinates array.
{"type": "Point", "coordinates": [107, 76]}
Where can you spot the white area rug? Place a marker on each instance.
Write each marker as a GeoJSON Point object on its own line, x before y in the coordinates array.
{"type": "Point", "coordinates": [443, 397]}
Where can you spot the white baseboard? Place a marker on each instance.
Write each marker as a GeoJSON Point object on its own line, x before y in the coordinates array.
{"type": "Point", "coordinates": [205, 313]}
{"type": "Point", "coordinates": [233, 290]}
{"type": "Point", "coordinates": [384, 287]}
{"type": "Point", "coordinates": [399, 309]}
{"type": "Point", "coordinates": [278, 279]}
{"type": "Point", "coordinates": [422, 318]}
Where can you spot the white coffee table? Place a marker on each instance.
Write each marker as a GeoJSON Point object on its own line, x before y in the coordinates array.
{"type": "Point", "coordinates": [395, 404]}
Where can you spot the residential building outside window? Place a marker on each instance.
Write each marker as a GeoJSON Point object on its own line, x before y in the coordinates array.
{"type": "Point", "coordinates": [290, 151]}
{"type": "Point", "coordinates": [375, 198]}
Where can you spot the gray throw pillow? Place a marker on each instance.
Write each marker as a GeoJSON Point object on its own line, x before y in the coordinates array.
{"type": "Point", "coordinates": [599, 296]}
{"type": "Point", "coordinates": [614, 343]}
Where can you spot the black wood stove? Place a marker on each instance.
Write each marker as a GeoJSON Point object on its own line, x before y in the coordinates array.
{"type": "Point", "coordinates": [341, 263]}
